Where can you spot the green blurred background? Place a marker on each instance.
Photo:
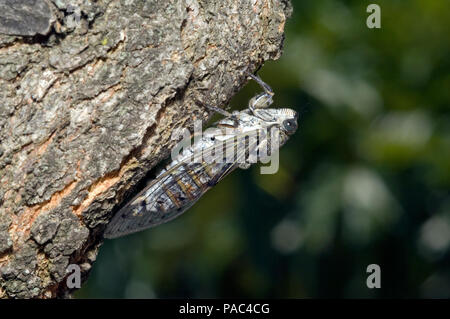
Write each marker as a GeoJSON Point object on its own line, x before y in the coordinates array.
{"type": "Point", "coordinates": [365, 180]}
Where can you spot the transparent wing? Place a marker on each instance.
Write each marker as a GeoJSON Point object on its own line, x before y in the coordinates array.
{"type": "Point", "coordinates": [176, 190]}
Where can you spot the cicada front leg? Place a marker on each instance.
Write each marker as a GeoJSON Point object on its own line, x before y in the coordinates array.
{"type": "Point", "coordinates": [218, 110]}
{"type": "Point", "coordinates": [245, 165]}
{"type": "Point", "coordinates": [262, 100]}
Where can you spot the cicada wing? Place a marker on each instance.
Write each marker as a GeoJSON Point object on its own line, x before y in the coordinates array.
{"type": "Point", "coordinates": [127, 222]}
{"type": "Point", "coordinates": [173, 192]}
{"type": "Point", "coordinates": [161, 201]}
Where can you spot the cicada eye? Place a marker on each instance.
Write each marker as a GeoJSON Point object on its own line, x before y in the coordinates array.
{"type": "Point", "coordinates": [290, 125]}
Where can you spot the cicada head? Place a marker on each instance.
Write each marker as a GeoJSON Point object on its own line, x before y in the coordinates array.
{"type": "Point", "coordinates": [287, 119]}
{"type": "Point", "coordinates": [284, 119]}
{"type": "Point", "coordinates": [282, 122]}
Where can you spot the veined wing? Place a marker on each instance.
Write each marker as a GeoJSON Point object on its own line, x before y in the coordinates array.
{"type": "Point", "coordinates": [177, 189]}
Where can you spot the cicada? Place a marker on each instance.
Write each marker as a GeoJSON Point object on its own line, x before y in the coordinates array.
{"type": "Point", "coordinates": [238, 140]}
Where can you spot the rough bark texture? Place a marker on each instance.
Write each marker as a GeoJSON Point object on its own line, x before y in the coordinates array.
{"type": "Point", "coordinates": [90, 93]}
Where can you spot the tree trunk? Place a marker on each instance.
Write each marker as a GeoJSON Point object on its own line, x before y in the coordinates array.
{"type": "Point", "coordinates": [90, 94]}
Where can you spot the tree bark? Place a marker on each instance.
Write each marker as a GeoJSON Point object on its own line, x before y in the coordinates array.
{"type": "Point", "coordinates": [90, 93]}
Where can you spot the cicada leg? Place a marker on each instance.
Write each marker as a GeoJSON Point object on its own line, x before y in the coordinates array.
{"type": "Point", "coordinates": [218, 110]}
{"type": "Point", "coordinates": [213, 108]}
{"type": "Point", "coordinates": [262, 100]}
{"type": "Point", "coordinates": [266, 87]}
{"type": "Point", "coordinates": [245, 165]}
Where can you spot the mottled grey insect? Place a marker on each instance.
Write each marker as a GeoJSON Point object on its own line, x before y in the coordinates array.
{"type": "Point", "coordinates": [243, 134]}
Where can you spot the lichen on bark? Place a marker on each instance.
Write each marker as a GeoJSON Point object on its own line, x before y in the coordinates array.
{"type": "Point", "coordinates": [88, 108]}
